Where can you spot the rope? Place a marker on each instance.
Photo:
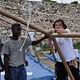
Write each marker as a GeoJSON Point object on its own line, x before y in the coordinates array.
{"type": "Point", "coordinates": [27, 28]}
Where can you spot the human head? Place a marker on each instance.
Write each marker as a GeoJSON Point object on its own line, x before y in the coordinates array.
{"type": "Point", "coordinates": [60, 24]}
{"type": "Point", "coordinates": [16, 29]}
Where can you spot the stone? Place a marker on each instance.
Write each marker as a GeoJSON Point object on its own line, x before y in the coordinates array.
{"type": "Point", "coordinates": [43, 14]}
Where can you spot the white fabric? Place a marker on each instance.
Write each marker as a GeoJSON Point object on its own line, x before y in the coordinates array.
{"type": "Point", "coordinates": [76, 52]}
{"type": "Point", "coordinates": [31, 35]}
{"type": "Point", "coordinates": [66, 47]}
{"type": "Point", "coordinates": [32, 51]}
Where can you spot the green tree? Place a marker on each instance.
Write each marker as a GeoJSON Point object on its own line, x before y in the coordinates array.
{"type": "Point", "coordinates": [49, 0]}
{"type": "Point", "coordinates": [74, 2]}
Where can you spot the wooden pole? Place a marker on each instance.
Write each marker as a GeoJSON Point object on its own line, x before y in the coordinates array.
{"type": "Point", "coordinates": [40, 30]}
{"type": "Point", "coordinates": [37, 27]}
{"type": "Point", "coordinates": [11, 24]}
{"type": "Point", "coordinates": [63, 59]}
{"type": "Point", "coordinates": [68, 35]}
{"type": "Point", "coordinates": [5, 21]}
{"type": "Point", "coordinates": [52, 51]}
{"type": "Point", "coordinates": [29, 37]}
{"type": "Point", "coordinates": [34, 50]}
{"type": "Point", "coordinates": [36, 54]}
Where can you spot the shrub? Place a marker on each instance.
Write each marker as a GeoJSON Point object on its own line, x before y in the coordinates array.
{"type": "Point", "coordinates": [49, 1]}
{"type": "Point", "coordinates": [75, 2]}
{"type": "Point", "coordinates": [77, 46]}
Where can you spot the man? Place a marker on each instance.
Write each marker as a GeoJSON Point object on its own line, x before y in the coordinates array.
{"type": "Point", "coordinates": [66, 47]}
{"type": "Point", "coordinates": [1, 63]}
{"type": "Point", "coordinates": [14, 59]}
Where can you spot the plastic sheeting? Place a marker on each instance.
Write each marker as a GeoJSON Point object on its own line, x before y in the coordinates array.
{"type": "Point", "coordinates": [51, 57]}
{"type": "Point", "coordinates": [36, 70]}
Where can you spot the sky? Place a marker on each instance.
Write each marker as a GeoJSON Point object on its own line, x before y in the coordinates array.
{"type": "Point", "coordinates": [61, 1]}
{"type": "Point", "coordinates": [67, 1]}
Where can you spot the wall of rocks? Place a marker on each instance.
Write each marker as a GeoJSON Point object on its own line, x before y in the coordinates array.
{"type": "Point", "coordinates": [43, 14]}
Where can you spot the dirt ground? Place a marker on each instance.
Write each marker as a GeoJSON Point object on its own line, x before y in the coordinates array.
{"type": "Point", "coordinates": [47, 62]}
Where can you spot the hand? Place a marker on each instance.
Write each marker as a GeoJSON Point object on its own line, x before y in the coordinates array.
{"type": "Point", "coordinates": [46, 36]}
{"type": "Point", "coordinates": [51, 30]}
{"type": "Point", "coordinates": [74, 63]}
{"type": "Point", "coordinates": [3, 68]}
{"type": "Point", "coordinates": [26, 63]}
{"type": "Point", "coordinates": [59, 31]}
{"type": "Point", "coordinates": [7, 76]}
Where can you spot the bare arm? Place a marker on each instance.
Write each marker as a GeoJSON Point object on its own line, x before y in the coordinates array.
{"type": "Point", "coordinates": [38, 41]}
{"type": "Point", "coordinates": [0, 60]}
{"type": "Point", "coordinates": [50, 31]}
{"type": "Point", "coordinates": [6, 64]}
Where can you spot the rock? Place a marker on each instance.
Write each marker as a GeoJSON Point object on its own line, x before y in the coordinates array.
{"type": "Point", "coordinates": [43, 14]}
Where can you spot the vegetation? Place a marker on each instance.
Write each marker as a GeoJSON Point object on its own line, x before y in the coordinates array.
{"type": "Point", "coordinates": [74, 2]}
{"type": "Point", "coordinates": [49, 1]}
{"type": "Point", "coordinates": [43, 47]}
{"type": "Point", "coordinates": [77, 46]}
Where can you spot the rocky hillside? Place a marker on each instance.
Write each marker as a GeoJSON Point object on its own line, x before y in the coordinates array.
{"type": "Point", "coordinates": [43, 14]}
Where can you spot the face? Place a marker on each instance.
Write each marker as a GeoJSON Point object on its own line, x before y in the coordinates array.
{"type": "Point", "coordinates": [58, 25]}
{"type": "Point", "coordinates": [17, 32]}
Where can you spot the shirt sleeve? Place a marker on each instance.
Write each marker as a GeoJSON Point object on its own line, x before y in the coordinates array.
{"type": "Point", "coordinates": [28, 42]}
{"type": "Point", "coordinates": [67, 30]}
{"type": "Point", "coordinates": [62, 40]}
{"type": "Point", "coordinates": [5, 48]}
